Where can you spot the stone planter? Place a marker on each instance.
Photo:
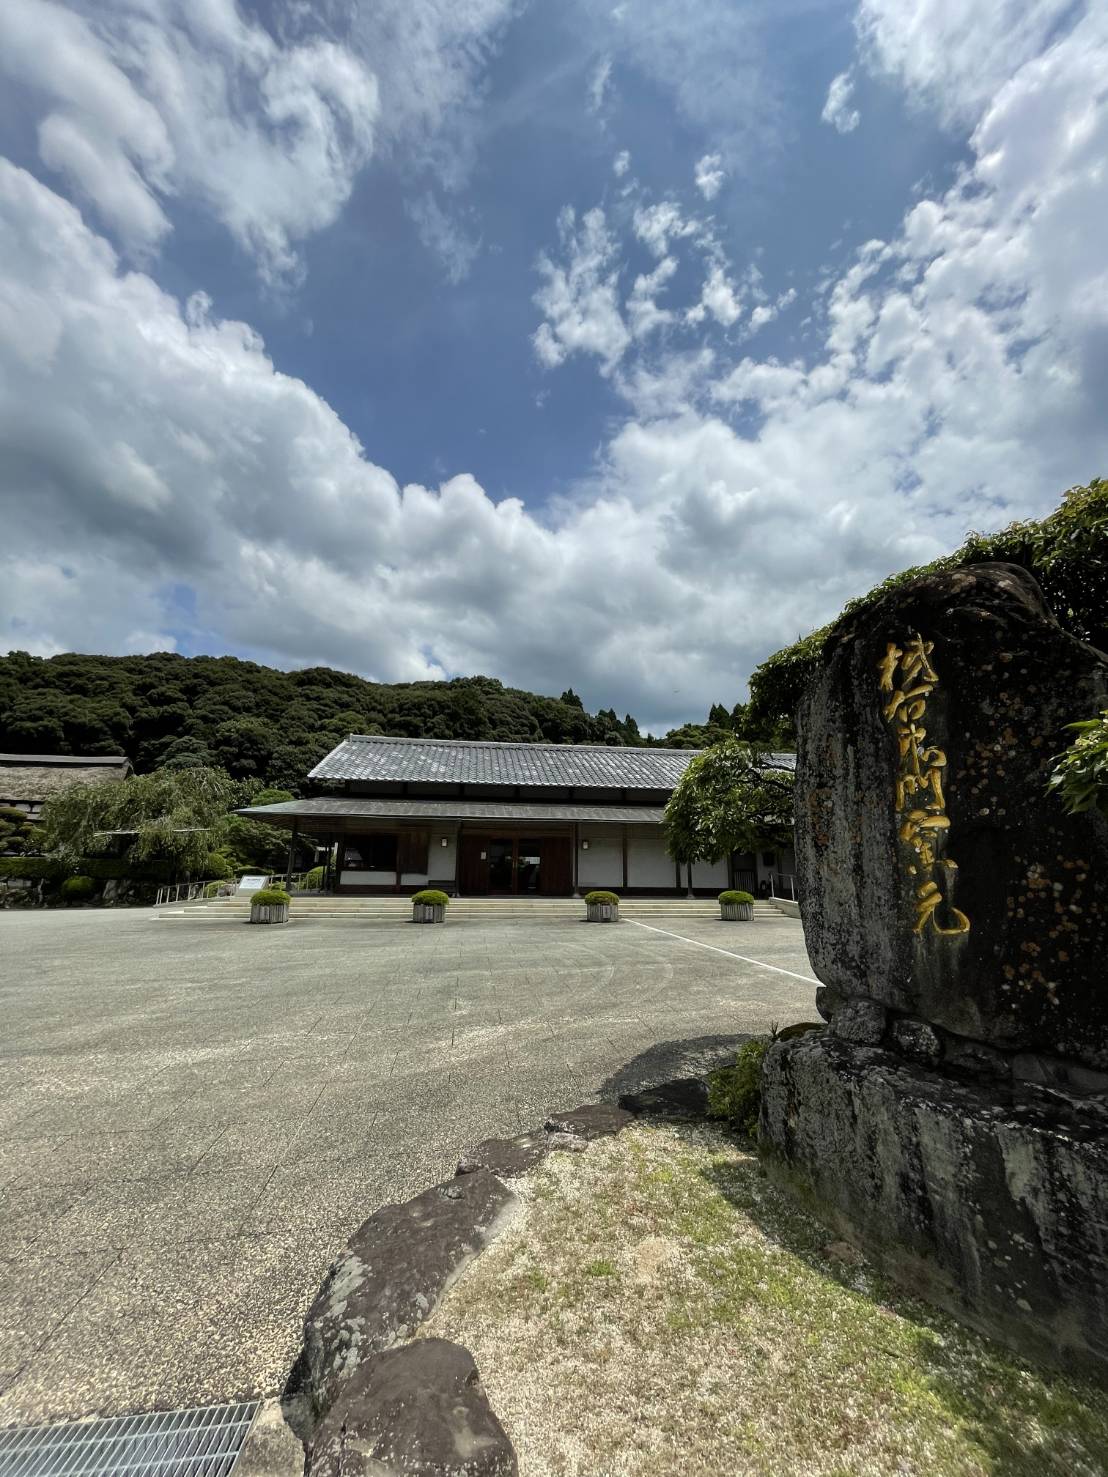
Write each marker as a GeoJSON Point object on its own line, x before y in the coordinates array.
{"type": "Point", "coordinates": [736, 912]}
{"type": "Point", "coordinates": [428, 912]}
{"type": "Point", "coordinates": [602, 912]}
{"type": "Point", "coordinates": [269, 912]}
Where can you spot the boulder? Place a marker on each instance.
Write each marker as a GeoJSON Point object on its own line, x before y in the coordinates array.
{"type": "Point", "coordinates": [939, 876]}
{"type": "Point", "coordinates": [394, 1270]}
{"type": "Point", "coordinates": [989, 1199]}
{"type": "Point", "coordinates": [593, 1121]}
{"type": "Point", "coordinates": [507, 1157]}
{"type": "Point", "coordinates": [860, 1020]}
{"type": "Point", "coordinates": [420, 1408]}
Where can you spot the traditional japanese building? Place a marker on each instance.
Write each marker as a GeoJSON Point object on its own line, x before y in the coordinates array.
{"type": "Point", "coordinates": [27, 781]}
{"type": "Point", "coordinates": [512, 819]}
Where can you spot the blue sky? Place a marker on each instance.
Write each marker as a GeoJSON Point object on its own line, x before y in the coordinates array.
{"type": "Point", "coordinates": [609, 347]}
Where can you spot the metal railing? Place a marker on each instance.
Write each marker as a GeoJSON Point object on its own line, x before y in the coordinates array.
{"type": "Point", "coordinates": [783, 885]}
{"type": "Point", "coordinates": [193, 892]}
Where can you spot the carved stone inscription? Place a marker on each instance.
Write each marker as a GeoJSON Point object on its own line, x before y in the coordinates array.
{"type": "Point", "coordinates": [907, 679]}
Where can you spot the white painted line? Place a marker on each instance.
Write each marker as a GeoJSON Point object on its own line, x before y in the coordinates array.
{"type": "Point", "coordinates": [729, 952]}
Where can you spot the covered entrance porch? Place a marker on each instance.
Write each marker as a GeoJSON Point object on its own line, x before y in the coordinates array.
{"type": "Point", "coordinates": [499, 864]}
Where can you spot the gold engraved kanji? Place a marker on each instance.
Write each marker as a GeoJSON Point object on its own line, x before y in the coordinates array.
{"type": "Point", "coordinates": [906, 679]}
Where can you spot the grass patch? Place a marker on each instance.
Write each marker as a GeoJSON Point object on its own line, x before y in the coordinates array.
{"type": "Point", "coordinates": [663, 1308]}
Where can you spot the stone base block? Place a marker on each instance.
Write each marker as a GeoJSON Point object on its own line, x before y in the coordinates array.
{"type": "Point", "coordinates": [989, 1199]}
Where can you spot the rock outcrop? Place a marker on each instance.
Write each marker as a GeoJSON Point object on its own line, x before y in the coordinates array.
{"type": "Point", "coordinates": [953, 1115]}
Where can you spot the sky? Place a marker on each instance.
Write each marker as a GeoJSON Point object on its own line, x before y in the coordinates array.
{"type": "Point", "coordinates": [575, 344]}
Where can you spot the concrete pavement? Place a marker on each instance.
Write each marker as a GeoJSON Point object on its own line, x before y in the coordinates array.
{"type": "Point", "coordinates": [194, 1118]}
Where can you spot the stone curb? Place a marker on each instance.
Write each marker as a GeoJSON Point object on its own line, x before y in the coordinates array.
{"type": "Point", "coordinates": [367, 1398]}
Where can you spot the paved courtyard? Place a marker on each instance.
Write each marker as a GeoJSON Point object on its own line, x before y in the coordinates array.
{"type": "Point", "coordinates": [195, 1117]}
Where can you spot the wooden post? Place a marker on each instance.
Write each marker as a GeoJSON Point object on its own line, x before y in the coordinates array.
{"type": "Point", "coordinates": [690, 878]}
{"type": "Point", "coordinates": [292, 847]}
{"type": "Point", "coordinates": [576, 856]}
{"type": "Point", "coordinates": [625, 858]}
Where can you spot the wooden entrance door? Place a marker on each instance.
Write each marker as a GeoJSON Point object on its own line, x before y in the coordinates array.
{"type": "Point", "coordinates": [473, 866]}
{"type": "Point", "coordinates": [515, 866]}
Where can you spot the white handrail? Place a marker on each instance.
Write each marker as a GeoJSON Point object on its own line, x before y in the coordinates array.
{"type": "Point", "coordinates": [191, 892]}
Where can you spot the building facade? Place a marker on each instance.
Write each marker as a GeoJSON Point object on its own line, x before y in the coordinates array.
{"type": "Point", "coordinates": [27, 781]}
{"type": "Point", "coordinates": [497, 819]}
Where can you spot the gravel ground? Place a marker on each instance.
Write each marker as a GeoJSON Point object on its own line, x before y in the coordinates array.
{"type": "Point", "coordinates": [661, 1308]}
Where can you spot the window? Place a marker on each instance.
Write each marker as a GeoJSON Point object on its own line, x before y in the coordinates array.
{"type": "Point", "coordinates": [373, 853]}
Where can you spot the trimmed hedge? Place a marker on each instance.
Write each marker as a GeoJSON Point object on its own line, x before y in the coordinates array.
{"type": "Point", "coordinates": [74, 889]}
{"type": "Point", "coordinates": [33, 867]}
{"type": "Point", "coordinates": [732, 895]}
{"type": "Point", "coordinates": [431, 897]}
{"type": "Point", "coordinates": [270, 897]}
{"type": "Point", "coordinates": [597, 898]}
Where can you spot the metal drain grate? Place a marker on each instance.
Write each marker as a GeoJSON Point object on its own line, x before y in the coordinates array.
{"type": "Point", "coordinates": [165, 1443]}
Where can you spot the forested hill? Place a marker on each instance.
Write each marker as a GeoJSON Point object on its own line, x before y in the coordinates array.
{"type": "Point", "coordinates": [257, 722]}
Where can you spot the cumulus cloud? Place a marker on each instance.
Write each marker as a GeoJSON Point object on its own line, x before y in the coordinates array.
{"type": "Point", "coordinates": [709, 175]}
{"type": "Point", "coordinates": [957, 381]}
{"type": "Point", "coordinates": [837, 110]}
{"type": "Point", "coordinates": [956, 56]}
{"type": "Point", "coordinates": [139, 105]}
{"type": "Point", "coordinates": [580, 295]}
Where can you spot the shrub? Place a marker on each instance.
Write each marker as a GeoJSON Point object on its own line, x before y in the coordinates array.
{"type": "Point", "coordinates": [270, 897]}
{"type": "Point", "coordinates": [602, 897]}
{"type": "Point", "coordinates": [734, 896]}
{"type": "Point", "coordinates": [735, 1093]}
{"type": "Point", "coordinates": [1080, 774]}
{"type": "Point", "coordinates": [431, 897]}
{"type": "Point", "coordinates": [313, 881]}
{"type": "Point", "coordinates": [216, 865]}
{"type": "Point", "coordinates": [32, 867]}
{"type": "Point", "coordinates": [76, 889]}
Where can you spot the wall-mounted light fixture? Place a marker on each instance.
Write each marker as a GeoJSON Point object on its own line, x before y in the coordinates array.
{"type": "Point", "coordinates": [584, 846]}
{"type": "Point", "coordinates": [445, 841]}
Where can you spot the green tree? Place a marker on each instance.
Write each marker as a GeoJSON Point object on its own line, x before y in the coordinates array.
{"type": "Point", "coordinates": [733, 797]}
{"type": "Point", "coordinates": [175, 815]}
{"type": "Point", "coordinates": [1080, 774]}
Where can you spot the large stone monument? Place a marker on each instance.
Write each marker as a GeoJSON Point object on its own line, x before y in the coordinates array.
{"type": "Point", "coordinates": [954, 1117]}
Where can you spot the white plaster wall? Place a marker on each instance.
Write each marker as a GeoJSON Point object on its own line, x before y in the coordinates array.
{"type": "Point", "coordinates": [352, 878]}
{"type": "Point", "coordinates": [442, 861]}
{"type": "Point", "coordinates": [647, 862]}
{"type": "Point", "coordinates": [710, 874]}
{"type": "Point", "coordinates": [413, 879]}
{"type": "Point", "coordinates": [602, 864]}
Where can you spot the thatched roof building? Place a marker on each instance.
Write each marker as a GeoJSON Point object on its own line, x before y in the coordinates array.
{"type": "Point", "coordinates": [27, 780]}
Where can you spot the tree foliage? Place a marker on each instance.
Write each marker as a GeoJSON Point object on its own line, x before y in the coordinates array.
{"type": "Point", "coordinates": [733, 797]}
{"type": "Point", "coordinates": [1080, 775]}
{"type": "Point", "coordinates": [1066, 552]}
{"type": "Point", "coordinates": [256, 722]}
{"type": "Point", "coordinates": [171, 815]}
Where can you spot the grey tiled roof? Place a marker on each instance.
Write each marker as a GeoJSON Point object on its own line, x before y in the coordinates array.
{"type": "Point", "coordinates": [460, 761]}
{"type": "Point", "coordinates": [335, 808]}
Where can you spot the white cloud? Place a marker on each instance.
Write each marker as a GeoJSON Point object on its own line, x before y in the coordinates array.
{"type": "Point", "coordinates": [837, 110]}
{"type": "Point", "coordinates": [718, 298]}
{"type": "Point", "coordinates": [956, 54]}
{"type": "Point", "coordinates": [144, 103]}
{"type": "Point", "coordinates": [709, 175]}
{"type": "Point", "coordinates": [958, 381]}
{"type": "Point", "coordinates": [621, 163]}
{"type": "Point", "coordinates": [657, 225]}
{"type": "Point", "coordinates": [444, 234]}
{"type": "Point", "coordinates": [580, 298]}
{"type": "Point", "coordinates": [643, 313]}
{"type": "Point", "coordinates": [598, 84]}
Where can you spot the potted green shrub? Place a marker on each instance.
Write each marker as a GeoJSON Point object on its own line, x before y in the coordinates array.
{"type": "Point", "coordinates": [736, 906]}
{"type": "Point", "coordinates": [429, 906]}
{"type": "Point", "coordinates": [270, 905]}
{"type": "Point", "coordinates": [601, 907]}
